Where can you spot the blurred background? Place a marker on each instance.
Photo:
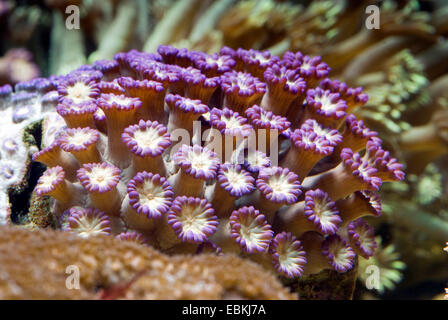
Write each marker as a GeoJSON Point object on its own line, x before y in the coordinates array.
{"type": "Point", "coordinates": [402, 66]}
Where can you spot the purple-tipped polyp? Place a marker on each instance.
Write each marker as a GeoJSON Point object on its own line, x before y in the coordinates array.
{"type": "Point", "coordinates": [250, 230]}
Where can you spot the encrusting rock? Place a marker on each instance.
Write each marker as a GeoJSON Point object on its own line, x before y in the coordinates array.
{"type": "Point", "coordinates": [42, 264]}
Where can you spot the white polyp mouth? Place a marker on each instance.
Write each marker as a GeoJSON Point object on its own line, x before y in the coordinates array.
{"type": "Point", "coordinates": [231, 123]}
{"type": "Point", "coordinates": [243, 85]}
{"type": "Point", "coordinates": [48, 180]}
{"type": "Point", "coordinates": [190, 103]}
{"type": "Point", "coordinates": [340, 254]}
{"type": "Point", "coordinates": [79, 138]}
{"type": "Point", "coordinates": [211, 60]}
{"type": "Point", "coordinates": [255, 159]}
{"type": "Point", "coordinates": [305, 66]}
{"type": "Point", "coordinates": [365, 131]}
{"type": "Point", "coordinates": [290, 82]}
{"type": "Point", "coordinates": [123, 101]}
{"type": "Point", "coordinates": [324, 213]}
{"type": "Point", "coordinates": [88, 227]}
{"type": "Point", "coordinates": [159, 72]}
{"type": "Point", "coordinates": [148, 139]}
{"type": "Point", "coordinates": [236, 179]}
{"type": "Point", "coordinates": [79, 92]}
{"type": "Point", "coordinates": [100, 176]}
{"type": "Point", "coordinates": [265, 118]}
{"type": "Point", "coordinates": [251, 233]}
{"type": "Point", "coordinates": [327, 105]}
{"type": "Point", "coordinates": [261, 58]}
{"type": "Point", "coordinates": [320, 131]}
{"type": "Point", "coordinates": [242, 81]}
{"type": "Point", "coordinates": [366, 241]}
{"type": "Point", "coordinates": [219, 61]}
{"type": "Point", "coordinates": [287, 257]}
{"type": "Point", "coordinates": [363, 170]}
{"type": "Point", "coordinates": [280, 185]}
{"type": "Point", "coordinates": [99, 113]}
{"type": "Point", "coordinates": [199, 161]}
{"type": "Point", "coordinates": [151, 195]}
{"type": "Point", "coordinates": [307, 141]}
{"type": "Point", "coordinates": [206, 116]}
{"type": "Point", "coordinates": [193, 219]}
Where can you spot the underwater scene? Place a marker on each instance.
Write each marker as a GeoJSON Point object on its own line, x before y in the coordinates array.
{"type": "Point", "coordinates": [224, 149]}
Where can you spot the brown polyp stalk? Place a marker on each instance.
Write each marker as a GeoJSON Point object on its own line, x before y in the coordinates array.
{"type": "Point", "coordinates": [292, 219]}
{"type": "Point", "coordinates": [337, 182]}
{"type": "Point", "coordinates": [221, 200]}
{"type": "Point", "coordinates": [315, 260]}
{"type": "Point", "coordinates": [186, 185]}
{"type": "Point", "coordinates": [135, 220]}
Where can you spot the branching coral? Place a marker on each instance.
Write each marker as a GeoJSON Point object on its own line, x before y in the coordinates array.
{"type": "Point", "coordinates": [286, 195]}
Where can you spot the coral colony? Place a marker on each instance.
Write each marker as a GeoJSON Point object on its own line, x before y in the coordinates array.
{"type": "Point", "coordinates": [237, 151]}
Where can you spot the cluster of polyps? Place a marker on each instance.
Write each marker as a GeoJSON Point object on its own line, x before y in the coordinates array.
{"type": "Point", "coordinates": [117, 168]}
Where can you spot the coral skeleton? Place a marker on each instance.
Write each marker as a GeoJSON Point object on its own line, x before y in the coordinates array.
{"type": "Point", "coordinates": [48, 253]}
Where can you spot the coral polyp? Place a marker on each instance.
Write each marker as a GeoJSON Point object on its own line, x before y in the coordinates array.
{"type": "Point", "coordinates": [87, 222]}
